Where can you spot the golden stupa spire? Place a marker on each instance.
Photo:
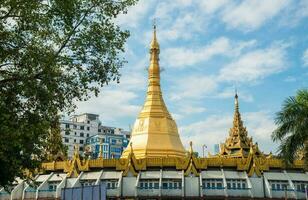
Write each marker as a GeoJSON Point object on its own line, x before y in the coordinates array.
{"type": "Point", "coordinates": [238, 143]}
{"type": "Point", "coordinates": [155, 133]}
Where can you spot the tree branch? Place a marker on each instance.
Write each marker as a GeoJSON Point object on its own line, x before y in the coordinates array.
{"type": "Point", "coordinates": [64, 44]}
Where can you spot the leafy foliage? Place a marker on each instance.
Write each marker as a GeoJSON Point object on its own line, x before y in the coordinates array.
{"type": "Point", "coordinates": [292, 128]}
{"type": "Point", "coordinates": [52, 54]}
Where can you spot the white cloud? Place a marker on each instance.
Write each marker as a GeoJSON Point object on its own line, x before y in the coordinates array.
{"type": "Point", "coordinates": [178, 28]}
{"type": "Point", "coordinates": [211, 6]}
{"type": "Point", "coordinates": [189, 109]}
{"type": "Point", "coordinates": [295, 13]}
{"type": "Point", "coordinates": [165, 9]}
{"type": "Point", "coordinates": [180, 57]}
{"type": "Point", "coordinates": [111, 105]}
{"type": "Point", "coordinates": [212, 130]}
{"type": "Point", "coordinates": [175, 16]}
{"type": "Point", "coordinates": [255, 65]}
{"type": "Point", "coordinates": [252, 14]}
{"type": "Point", "coordinates": [290, 79]}
{"type": "Point", "coordinates": [134, 14]}
{"type": "Point", "coordinates": [215, 128]}
{"type": "Point", "coordinates": [305, 58]}
{"type": "Point", "coordinates": [194, 87]}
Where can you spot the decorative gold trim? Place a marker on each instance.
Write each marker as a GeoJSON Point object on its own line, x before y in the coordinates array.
{"type": "Point", "coordinates": [252, 164]}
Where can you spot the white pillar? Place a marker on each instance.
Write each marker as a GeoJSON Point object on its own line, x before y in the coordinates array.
{"type": "Point", "coordinates": [160, 181]}
{"type": "Point", "coordinates": [98, 180]}
{"type": "Point", "coordinates": [291, 184]}
{"type": "Point", "coordinates": [183, 184]}
{"type": "Point", "coordinates": [60, 186]}
{"type": "Point", "coordinates": [75, 184]}
{"type": "Point", "coordinates": [119, 185]}
{"type": "Point", "coordinates": [137, 183]}
{"type": "Point", "coordinates": [42, 184]}
{"type": "Point", "coordinates": [225, 182]}
{"type": "Point", "coordinates": [268, 187]}
{"type": "Point", "coordinates": [249, 184]}
{"type": "Point", "coordinates": [201, 185]}
{"type": "Point", "coordinates": [18, 190]}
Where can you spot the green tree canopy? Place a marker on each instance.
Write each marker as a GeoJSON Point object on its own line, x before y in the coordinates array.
{"type": "Point", "coordinates": [292, 130]}
{"type": "Point", "coordinates": [52, 53]}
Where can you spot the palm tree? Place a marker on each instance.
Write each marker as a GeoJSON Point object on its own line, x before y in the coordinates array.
{"type": "Point", "coordinates": [292, 130]}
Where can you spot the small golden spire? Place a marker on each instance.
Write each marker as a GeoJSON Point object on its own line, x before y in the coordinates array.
{"type": "Point", "coordinates": [191, 147]}
{"type": "Point", "coordinates": [154, 43]}
{"type": "Point", "coordinates": [236, 101]}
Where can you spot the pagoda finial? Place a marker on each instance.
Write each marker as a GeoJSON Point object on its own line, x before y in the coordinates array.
{"type": "Point", "coordinates": [191, 147]}
{"type": "Point", "coordinates": [236, 100]}
{"type": "Point", "coordinates": [154, 42]}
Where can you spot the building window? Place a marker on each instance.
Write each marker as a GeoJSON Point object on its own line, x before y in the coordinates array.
{"type": "Point", "coordinates": [212, 184]}
{"type": "Point", "coordinates": [172, 184]}
{"type": "Point", "coordinates": [66, 140]}
{"type": "Point", "coordinates": [110, 184]}
{"type": "Point", "coordinates": [280, 185]}
{"type": "Point", "coordinates": [80, 148]}
{"type": "Point", "coordinates": [88, 128]}
{"type": "Point", "coordinates": [236, 184]}
{"type": "Point", "coordinates": [81, 141]}
{"type": "Point", "coordinates": [87, 183]}
{"type": "Point", "coordinates": [74, 140]}
{"type": "Point", "coordinates": [75, 126]}
{"type": "Point", "coordinates": [53, 186]}
{"type": "Point", "coordinates": [81, 127]}
{"type": "Point", "coordinates": [300, 185]}
{"type": "Point", "coordinates": [67, 132]}
{"type": "Point", "coordinates": [88, 135]}
{"type": "Point", "coordinates": [67, 125]}
{"type": "Point", "coordinates": [75, 133]}
{"type": "Point", "coordinates": [88, 122]}
{"type": "Point", "coordinates": [99, 130]}
{"type": "Point", "coordinates": [81, 134]}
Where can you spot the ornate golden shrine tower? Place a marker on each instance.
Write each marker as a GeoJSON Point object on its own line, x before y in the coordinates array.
{"type": "Point", "coordinates": [238, 144]}
{"type": "Point", "coordinates": [155, 133]}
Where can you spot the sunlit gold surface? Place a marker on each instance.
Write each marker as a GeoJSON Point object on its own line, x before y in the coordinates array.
{"type": "Point", "coordinates": [155, 133]}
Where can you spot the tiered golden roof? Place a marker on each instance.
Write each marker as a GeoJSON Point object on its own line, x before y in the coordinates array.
{"type": "Point", "coordinates": [155, 133]}
{"type": "Point", "coordinates": [238, 144]}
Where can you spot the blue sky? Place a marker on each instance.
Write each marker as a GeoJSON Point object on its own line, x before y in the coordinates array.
{"type": "Point", "coordinates": [209, 47]}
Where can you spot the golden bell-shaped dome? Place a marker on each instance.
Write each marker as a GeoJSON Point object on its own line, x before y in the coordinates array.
{"type": "Point", "coordinates": [155, 133]}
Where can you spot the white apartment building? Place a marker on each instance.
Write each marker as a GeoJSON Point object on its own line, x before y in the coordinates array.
{"type": "Point", "coordinates": [80, 127]}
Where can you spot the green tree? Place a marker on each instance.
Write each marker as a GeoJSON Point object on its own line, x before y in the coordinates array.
{"type": "Point", "coordinates": [52, 54]}
{"type": "Point", "coordinates": [53, 148]}
{"type": "Point", "coordinates": [292, 130]}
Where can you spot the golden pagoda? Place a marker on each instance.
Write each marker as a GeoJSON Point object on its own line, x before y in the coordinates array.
{"type": "Point", "coordinates": [155, 133]}
{"type": "Point", "coordinates": [238, 144]}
